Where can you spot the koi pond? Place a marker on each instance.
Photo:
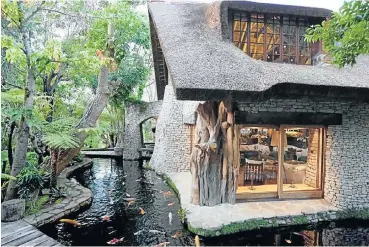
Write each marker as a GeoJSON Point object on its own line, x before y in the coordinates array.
{"type": "Point", "coordinates": [133, 206]}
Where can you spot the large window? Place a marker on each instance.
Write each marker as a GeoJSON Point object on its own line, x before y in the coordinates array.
{"type": "Point", "coordinates": [273, 38]}
{"type": "Point", "coordinates": [280, 161]}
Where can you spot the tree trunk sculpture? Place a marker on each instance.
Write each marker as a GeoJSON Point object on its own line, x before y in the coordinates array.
{"type": "Point", "coordinates": [215, 157]}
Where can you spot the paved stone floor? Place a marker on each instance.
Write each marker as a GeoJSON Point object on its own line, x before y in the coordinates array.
{"type": "Point", "coordinates": [212, 218]}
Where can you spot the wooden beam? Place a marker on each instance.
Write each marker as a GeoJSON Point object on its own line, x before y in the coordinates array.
{"type": "Point", "coordinates": [280, 162]}
{"type": "Point", "coordinates": [291, 118]}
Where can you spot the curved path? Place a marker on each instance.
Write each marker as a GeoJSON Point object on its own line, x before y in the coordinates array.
{"type": "Point", "coordinates": [24, 232]}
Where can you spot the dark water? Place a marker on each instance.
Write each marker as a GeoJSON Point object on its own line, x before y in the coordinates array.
{"type": "Point", "coordinates": [110, 182]}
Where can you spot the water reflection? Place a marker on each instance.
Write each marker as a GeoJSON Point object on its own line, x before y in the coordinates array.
{"type": "Point", "coordinates": [112, 183]}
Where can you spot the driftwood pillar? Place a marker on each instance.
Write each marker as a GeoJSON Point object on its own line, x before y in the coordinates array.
{"type": "Point", "coordinates": [215, 158]}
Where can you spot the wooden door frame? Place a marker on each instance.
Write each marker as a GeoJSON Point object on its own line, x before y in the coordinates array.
{"type": "Point", "coordinates": [280, 194]}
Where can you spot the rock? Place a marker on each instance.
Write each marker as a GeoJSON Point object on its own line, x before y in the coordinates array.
{"type": "Point", "coordinates": [13, 210]}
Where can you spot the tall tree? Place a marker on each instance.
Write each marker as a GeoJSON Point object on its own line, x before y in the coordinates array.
{"type": "Point", "coordinates": [15, 12]}
{"type": "Point", "coordinates": [94, 54]}
{"type": "Point", "coordinates": [345, 34]}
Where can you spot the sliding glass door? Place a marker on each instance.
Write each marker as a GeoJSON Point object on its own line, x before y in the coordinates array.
{"type": "Point", "coordinates": [280, 162]}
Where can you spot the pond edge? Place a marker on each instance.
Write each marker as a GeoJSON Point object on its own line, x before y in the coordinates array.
{"type": "Point", "coordinates": [77, 197]}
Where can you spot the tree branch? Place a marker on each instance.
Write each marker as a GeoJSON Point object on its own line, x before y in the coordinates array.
{"type": "Point", "coordinates": [34, 12]}
{"type": "Point", "coordinates": [75, 16]}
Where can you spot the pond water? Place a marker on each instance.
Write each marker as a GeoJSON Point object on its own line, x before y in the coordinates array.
{"type": "Point", "coordinates": [112, 183]}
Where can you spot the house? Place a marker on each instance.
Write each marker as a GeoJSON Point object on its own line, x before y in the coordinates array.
{"type": "Point", "coordinates": [254, 127]}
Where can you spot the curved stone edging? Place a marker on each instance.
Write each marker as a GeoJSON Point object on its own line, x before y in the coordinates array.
{"type": "Point", "coordinates": [78, 197]}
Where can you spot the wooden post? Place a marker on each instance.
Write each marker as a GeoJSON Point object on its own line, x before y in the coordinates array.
{"type": "Point", "coordinates": [280, 162]}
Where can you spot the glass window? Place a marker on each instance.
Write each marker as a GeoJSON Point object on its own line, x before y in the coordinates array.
{"type": "Point", "coordinates": [259, 160]}
{"type": "Point", "coordinates": [301, 167]}
{"type": "Point", "coordinates": [276, 38]}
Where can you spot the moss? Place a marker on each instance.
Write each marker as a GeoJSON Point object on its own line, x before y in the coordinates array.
{"type": "Point", "coordinates": [274, 223]}
{"type": "Point", "coordinates": [300, 220]}
{"type": "Point", "coordinates": [147, 166]}
{"type": "Point", "coordinates": [352, 213]}
{"type": "Point", "coordinates": [171, 184]}
{"type": "Point", "coordinates": [231, 228]}
{"type": "Point", "coordinates": [39, 204]}
{"type": "Point", "coordinates": [58, 201]}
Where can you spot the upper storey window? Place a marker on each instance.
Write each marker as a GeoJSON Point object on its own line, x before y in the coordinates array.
{"type": "Point", "coordinates": [273, 38]}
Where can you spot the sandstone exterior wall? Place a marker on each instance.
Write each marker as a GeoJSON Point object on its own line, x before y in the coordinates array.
{"type": "Point", "coordinates": [135, 114]}
{"type": "Point", "coordinates": [347, 147]}
{"type": "Point", "coordinates": [173, 141]}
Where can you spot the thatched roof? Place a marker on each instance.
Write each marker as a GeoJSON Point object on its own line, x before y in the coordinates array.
{"type": "Point", "coordinates": [205, 65]}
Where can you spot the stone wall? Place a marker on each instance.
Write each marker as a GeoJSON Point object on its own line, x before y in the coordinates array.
{"type": "Point", "coordinates": [347, 147]}
{"type": "Point", "coordinates": [340, 236]}
{"type": "Point", "coordinates": [312, 159]}
{"type": "Point", "coordinates": [173, 140]}
{"type": "Point", "coordinates": [135, 114]}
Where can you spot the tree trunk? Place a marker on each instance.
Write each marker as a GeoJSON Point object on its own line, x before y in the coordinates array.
{"type": "Point", "coordinates": [62, 157]}
{"type": "Point", "coordinates": [23, 130]}
{"type": "Point", "coordinates": [10, 144]}
{"type": "Point", "coordinates": [215, 156]}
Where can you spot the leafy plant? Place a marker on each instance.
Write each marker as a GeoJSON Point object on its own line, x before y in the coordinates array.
{"type": "Point", "coordinates": [29, 180]}
{"type": "Point", "coordinates": [345, 34]}
{"type": "Point", "coordinates": [182, 214]}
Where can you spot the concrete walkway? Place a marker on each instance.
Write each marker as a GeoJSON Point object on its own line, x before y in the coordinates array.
{"type": "Point", "coordinates": [20, 233]}
{"type": "Point", "coordinates": [107, 153]}
{"type": "Point", "coordinates": [266, 213]}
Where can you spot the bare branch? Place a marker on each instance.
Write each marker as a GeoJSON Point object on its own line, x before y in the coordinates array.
{"type": "Point", "coordinates": [76, 16]}
{"type": "Point", "coordinates": [11, 84]}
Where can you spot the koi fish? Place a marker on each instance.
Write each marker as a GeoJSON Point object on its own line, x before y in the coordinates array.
{"type": "Point", "coordinates": [129, 199]}
{"type": "Point", "coordinates": [106, 218]}
{"type": "Point", "coordinates": [123, 183]}
{"type": "Point", "coordinates": [197, 241]}
{"type": "Point", "coordinates": [156, 231]}
{"type": "Point", "coordinates": [170, 218]}
{"type": "Point", "coordinates": [176, 235]}
{"type": "Point", "coordinates": [125, 176]}
{"type": "Point", "coordinates": [115, 240]}
{"type": "Point", "coordinates": [171, 204]}
{"type": "Point", "coordinates": [168, 193]}
{"type": "Point", "coordinates": [288, 241]}
{"type": "Point", "coordinates": [130, 203]}
{"type": "Point", "coordinates": [162, 244]}
{"type": "Point", "coordinates": [138, 180]}
{"type": "Point", "coordinates": [128, 195]}
{"type": "Point", "coordinates": [72, 222]}
{"type": "Point", "coordinates": [137, 233]}
{"type": "Point", "coordinates": [142, 211]}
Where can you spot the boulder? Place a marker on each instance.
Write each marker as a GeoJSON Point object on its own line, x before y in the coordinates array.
{"type": "Point", "coordinates": [13, 210]}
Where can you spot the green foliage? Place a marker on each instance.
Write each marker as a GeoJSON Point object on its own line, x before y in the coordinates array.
{"type": "Point", "coordinates": [6, 178]}
{"type": "Point", "coordinates": [61, 134]}
{"type": "Point", "coordinates": [182, 214]}
{"type": "Point", "coordinates": [39, 204]}
{"type": "Point", "coordinates": [345, 35]}
{"type": "Point", "coordinates": [79, 157]}
{"type": "Point", "coordinates": [32, 158]}
{"type": "Point", "coordinates": [4, 155]}
{"type": "Point", "coordinates": [29, 180]}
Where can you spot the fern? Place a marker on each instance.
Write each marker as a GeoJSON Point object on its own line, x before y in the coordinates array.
{"type": "Point", "coordinates": [61, 140]}
{"type": "Point", "coordinates": [61, 134]}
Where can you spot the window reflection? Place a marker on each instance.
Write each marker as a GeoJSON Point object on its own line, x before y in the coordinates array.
{"type": "Point", "coordinates": [273, 38]}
